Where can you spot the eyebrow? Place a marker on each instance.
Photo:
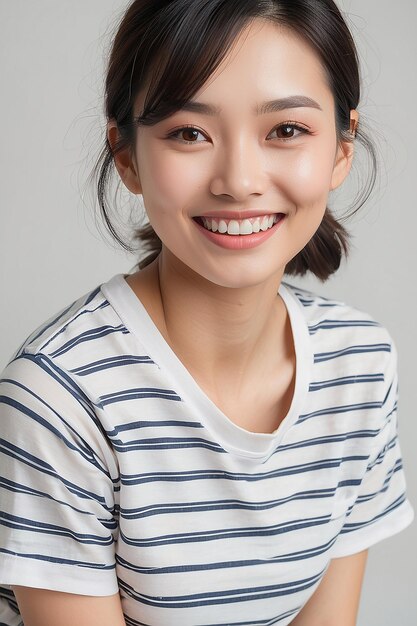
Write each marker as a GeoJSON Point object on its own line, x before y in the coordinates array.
{"type": "Point", "coordinates": [291, 102]}
{"type": "Point", "coordinates": [272, 106]}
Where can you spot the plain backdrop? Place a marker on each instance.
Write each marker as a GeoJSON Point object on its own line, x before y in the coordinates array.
{"type": "Point", "coordinates": [52, 250]}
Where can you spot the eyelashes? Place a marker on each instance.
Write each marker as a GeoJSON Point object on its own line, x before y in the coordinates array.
{"type": "Point", "coordinates": [291, 127]}
{"type": "Point", "coordinates": [187, 129]}
{"type": "Point", "coordinates": [287, 130]}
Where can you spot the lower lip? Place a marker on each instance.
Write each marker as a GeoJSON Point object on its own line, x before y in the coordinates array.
{"type": "Point", "coordinates": [240, 242]}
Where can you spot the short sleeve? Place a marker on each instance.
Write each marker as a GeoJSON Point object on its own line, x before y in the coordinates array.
{"type": "Point", "coordinates": [381, 508]}
{"type": "Point", "coordinates": [58, 517]}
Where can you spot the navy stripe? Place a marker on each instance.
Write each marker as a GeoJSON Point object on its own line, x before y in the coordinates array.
{"type": "Point", "coordinates": [89, 335]}
{"type": "Point", "coordinates": [361, 349]}
{"type": "Point", "coordinates": [334, 410]}
{"type": "Point", "coordinates": [234, 505]}
{"type": "Point", "coordinates": [331, 324]}
{"type": "Point", "coordinates": [120, 428]}
{"type": "Point", "coordinates": [22, 523]}
{"type": "Point", "coordinates": [387, 395]}
{"type": "Point", "coordinates": [346, 380]}
{"type": "Point", "coordinates": [307, 299]}
{"type": "Point", "coordinates": [8, 608]}
{"type": "Point", "coordinates": [389, 446]}
{"type": "Point", "coordinates": [350, 527]}
{"type": "Point", "coordinates": [370, 496]}
{"type": "Point", "coordinates": [300, 555]}
{"type": "Point", "coordinates": [115, 361]}
{"type": "Point", "coordinates": [83, 450]}
{"type": "Point", "coordinates": [139, 393]}
{"type": "Point", "coordinates": [14, 452]}
{"type": "Point", "coordinates": [71, 320]}
{"type": "Point", "coordinates": [39, 332]}
{"type": "Point", "coordinates": [340, 437]}
{"type": "Point", "coordinates": [262, 622]}
{"type": "Point", "coordinates": [228, 533]}
{"type": "Point", "coordinates": [92, 295]}
{"type": "Point", "coordinates": [234, 476]}
{"type": "Point", "coordinates": [79, 396]}
{"type": "Point", "coordinates": [166, 443]}
{"type": "Point", "coordinates": [16, 487]}
{"type": "Point", "coordinates": [61, 560]}
{"type": "Point", "coordinates": [306, 443]}
{"type": "Point", "coordinates": [45, 327]}
{"type": "Point", "coordinates": [68, 383]}
{"type": "Point", "coordinates": [226, 596]}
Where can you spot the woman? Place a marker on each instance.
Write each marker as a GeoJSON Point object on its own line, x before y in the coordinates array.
{"type": "Point", "coordinates": [201, 442]}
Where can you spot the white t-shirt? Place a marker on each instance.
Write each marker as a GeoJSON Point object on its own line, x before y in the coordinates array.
{"type": "Point", "coordinates": [118, 473]}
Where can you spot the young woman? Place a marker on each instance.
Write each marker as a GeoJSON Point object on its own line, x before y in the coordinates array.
{"type": "Point", "coordinates": [202, 442]}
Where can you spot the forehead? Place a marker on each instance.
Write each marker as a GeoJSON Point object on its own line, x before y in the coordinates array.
{"type": "Point", "coordinates": [268, 60]}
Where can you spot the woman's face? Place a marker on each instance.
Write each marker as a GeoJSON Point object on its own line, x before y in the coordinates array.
{"type": "Point", "coordinates": [239, 161]}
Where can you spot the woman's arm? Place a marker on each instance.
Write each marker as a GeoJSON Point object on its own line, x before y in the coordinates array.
{"type": "Point", "coordinates": [336, 600]}
{"type": "Point", "coordinates": [43, 607]}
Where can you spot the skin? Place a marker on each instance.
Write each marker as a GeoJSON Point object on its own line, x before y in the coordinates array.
{"type": "Point", "coordinates": [238, 162]}
{"type": "Point", "coordinates": [232, 313]}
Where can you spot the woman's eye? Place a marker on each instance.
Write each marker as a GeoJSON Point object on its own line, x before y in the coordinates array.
{"type": "Point", "coordinates": [289, 131]}
{"type": "Point", "coordinates": [187, 134]}
{"type": "Point", "coordinates": [191, 134]}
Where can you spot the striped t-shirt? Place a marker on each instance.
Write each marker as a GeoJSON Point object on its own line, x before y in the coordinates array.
{"type": "Point", "coordinates": [119, 474]}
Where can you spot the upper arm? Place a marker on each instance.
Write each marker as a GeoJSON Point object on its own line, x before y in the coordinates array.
{"type": "Point", "coordinates": [336, 599]}
{"type": "Point", "coordinates": [43, 607]}
{"type": "Point", "coordinates": [59, 514]}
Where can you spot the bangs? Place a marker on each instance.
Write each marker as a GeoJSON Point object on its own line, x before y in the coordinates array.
{"type": "Point", "coordinates": [189, 43]}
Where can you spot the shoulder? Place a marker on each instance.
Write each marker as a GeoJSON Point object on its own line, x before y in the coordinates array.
{"type": "Point", "coordinates": [325, 314]}
{"type": "Point", "coordinates": [55, 361]}
{"type": "Point", "coordinates": [69, 333]}
{"type": "Point", "coordinates": [54, 382]}
{"type": "Point", "coordinates": [342, 334]}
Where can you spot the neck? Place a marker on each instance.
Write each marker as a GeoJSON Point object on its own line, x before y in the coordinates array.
{"type": "Point", "coordinates": [237, 330]}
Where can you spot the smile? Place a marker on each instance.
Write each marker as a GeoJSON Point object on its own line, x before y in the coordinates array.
{"type": "Point", "coordinates": [239, 227]}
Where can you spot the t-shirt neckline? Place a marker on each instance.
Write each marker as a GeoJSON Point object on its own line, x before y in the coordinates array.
{"type": "Point", "coordinates": [226, 433]}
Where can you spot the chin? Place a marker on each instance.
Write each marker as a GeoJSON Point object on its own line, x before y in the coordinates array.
{"type": "Point", "coordinates": [243, 278]}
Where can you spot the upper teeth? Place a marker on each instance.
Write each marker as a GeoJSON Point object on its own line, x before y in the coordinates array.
{"type": "Point", "coordinates": [240, 227]}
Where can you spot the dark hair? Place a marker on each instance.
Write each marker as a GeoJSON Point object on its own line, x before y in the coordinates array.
{"type": "Point", "coordinates": [176, 45]}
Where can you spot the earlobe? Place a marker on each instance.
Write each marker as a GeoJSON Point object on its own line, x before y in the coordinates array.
{"type": "Point", "coordinates": [343, 164]}
{"type": "Point", "coordinates": [123, 160]}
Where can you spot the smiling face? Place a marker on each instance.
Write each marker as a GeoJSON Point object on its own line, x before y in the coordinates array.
{"type": "Point", "coordinates": [231, 159]}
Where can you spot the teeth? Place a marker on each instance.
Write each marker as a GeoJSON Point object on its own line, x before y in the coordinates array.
{"type": "Point", "coordinates": [222, 227]}
{"type": "Point", "coordinates": [240, 227]}
{"type": "Point", "coordinates": [233, 228]}
{"type": "Point", "coordinates": [245, 228]}
{"type": "Point", "coordinates": [265, 224]}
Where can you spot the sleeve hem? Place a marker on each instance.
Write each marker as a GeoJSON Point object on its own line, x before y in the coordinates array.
{"type": "Point", "coordinates": [386, 527]}
{"type": "Point", "coordinates": [15, 570]}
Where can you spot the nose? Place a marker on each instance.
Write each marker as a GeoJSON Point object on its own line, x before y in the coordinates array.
{"type": "Point", "coordinates": [240, 172]}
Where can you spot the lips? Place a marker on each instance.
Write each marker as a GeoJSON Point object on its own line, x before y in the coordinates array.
{"type": "Point", "coordinates": [240, 235]}
{"type": "Point", "coordinates": [247, 225]}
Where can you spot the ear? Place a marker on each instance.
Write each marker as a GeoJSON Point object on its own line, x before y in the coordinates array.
{"type": "Point", "coordinates": [343, 163]}
{"type": "Point", "coordinates": [123, 160]}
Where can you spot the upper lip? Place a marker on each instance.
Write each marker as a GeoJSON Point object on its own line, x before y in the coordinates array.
{"type": "Point", "coordinates": [237, 215]}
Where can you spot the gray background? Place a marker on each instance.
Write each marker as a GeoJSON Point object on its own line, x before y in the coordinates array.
{"type": "Point", "coordinates": [51, 251]}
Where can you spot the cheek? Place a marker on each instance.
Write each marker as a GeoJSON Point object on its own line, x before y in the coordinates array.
{"type": "Point", "coordinates": [308, 175]}
{"type": "Point", "coordinates": [168, 180]}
